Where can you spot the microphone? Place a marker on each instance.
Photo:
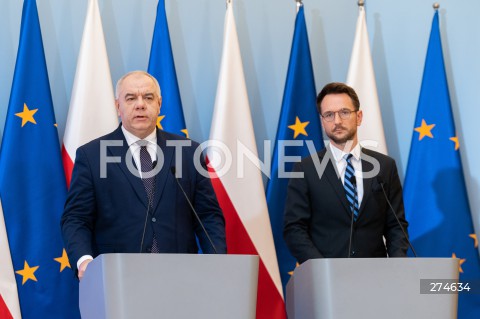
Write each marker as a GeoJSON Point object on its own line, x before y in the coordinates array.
{"type": "Point", "coordinates": [376, 186]}
{"type": "Point", "coordinates": [380, 182]}
{"type": "Point", "coordinates": [173, 170]}
{"type": "Point", "coordinates": [353, 180]}
{"type": "Point", "coordinates": [154, 164]}
{"type": "Point", "coordinates": [144, 227]}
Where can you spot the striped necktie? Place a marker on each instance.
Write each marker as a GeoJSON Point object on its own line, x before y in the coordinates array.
{"type": "Point", "coordinates": [350, 186]}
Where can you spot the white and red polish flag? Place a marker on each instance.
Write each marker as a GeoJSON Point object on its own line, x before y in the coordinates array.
{"type": "Point", "coordinates": [9, 304]}
{"type": "Point", "coordinates": [92, 111]}
{"type": "Point", "coordinates": [241, 194]}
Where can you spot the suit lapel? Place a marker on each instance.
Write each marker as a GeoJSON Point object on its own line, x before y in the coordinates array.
{"type": "Point", "coordinates": [121, 151]}
{"type": "Point", "coordinates": [367, 182]}
{"type": "Point", "coordinates": [334, 179]}
{"type": "Point", "coordinates": [164, 173]}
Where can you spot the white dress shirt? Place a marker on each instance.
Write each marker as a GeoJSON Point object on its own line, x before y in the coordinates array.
{"type": "Point", "coordinates": [341, 164]}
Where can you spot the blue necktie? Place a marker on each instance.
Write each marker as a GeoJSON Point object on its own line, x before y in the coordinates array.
{"type": "Point", "coordinates": [146, 165]}
{"type": "Point", "coordinates": [350, 186]}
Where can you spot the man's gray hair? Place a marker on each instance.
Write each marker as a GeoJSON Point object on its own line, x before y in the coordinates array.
{"type": "Point", "coordinates": [119, 82]}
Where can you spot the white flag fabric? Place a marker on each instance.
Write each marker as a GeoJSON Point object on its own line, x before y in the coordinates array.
{"type": "Point", "coordinates": [361, 77]}
{"type": "Point", "coordinates": [8, 285]}
{"type": "Point", "coordinates": [92, 111]}
{"type": "Point", "coordinates": [240, 192]}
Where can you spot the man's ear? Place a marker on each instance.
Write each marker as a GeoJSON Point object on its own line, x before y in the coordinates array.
{"type": "Point", "coordinates": [117, 106]}
{"type": "Point", "coordinates": [359, 117]}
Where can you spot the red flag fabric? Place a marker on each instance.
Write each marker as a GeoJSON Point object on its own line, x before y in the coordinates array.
{"type": "Point", "coordinates": [238, 180]}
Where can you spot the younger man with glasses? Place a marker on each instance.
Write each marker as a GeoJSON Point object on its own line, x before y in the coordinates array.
{"type": "Point", "coordinates": [343, 209]}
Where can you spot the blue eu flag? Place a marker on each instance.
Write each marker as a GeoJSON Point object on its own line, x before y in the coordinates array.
{"type": "Point", "coordinates": [32, 184]}
{"type": "Point", "coordinates": [298, 127]}
{"type": "Point", "coordinates": [162, 67]}
{"type": "Point", "coordinates": [435, 196]}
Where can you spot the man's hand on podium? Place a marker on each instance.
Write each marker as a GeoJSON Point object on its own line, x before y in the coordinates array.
{"type": "Point", "coordinates": [82, 268]}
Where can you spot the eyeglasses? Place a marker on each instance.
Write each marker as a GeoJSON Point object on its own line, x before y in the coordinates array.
{"type": "Point", "coordinates": [330, 116]}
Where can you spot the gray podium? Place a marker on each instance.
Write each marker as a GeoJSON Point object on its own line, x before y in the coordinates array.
{"type": "Point", "coordinates": [370, 288]}
{"type": "Point", "coordinates": [173, 286]}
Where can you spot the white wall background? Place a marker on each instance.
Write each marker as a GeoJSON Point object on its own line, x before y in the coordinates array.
{"type": "Point", "coordinates": [399, 32]}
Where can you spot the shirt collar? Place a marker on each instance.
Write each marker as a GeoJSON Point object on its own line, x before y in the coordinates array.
{"type": "Point", "coordinates": [132, 139]}
{"type": "Point", "coordinates": [339, 154]}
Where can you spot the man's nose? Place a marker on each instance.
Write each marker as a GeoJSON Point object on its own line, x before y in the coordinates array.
{"type": "Point", "coordinates": [140, 103]}
{"type": "Point", "coordinates": [336, 117]}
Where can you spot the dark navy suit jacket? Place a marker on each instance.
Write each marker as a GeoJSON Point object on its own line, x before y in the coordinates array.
{"type": "Point", "coordinates": [318, 217]}
{"type": "Point", "coordinates": [107, 214]}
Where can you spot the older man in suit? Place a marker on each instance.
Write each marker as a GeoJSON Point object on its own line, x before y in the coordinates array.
{"type": "Point", "coordinates": [339, 208]}
{"type": "Point", "coordinates": [124, 195]}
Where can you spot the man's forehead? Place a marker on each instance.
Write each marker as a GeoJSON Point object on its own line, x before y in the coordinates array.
{"type": "Point", "coordinates": [337, 101]}
{"type": "Point", "coordinates": [138, 91]}
{"type": "Point", "coordinates": [138, 87]}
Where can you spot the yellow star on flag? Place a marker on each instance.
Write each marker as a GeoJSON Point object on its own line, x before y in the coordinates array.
{"type": "Point", "coordinates": [185, 131]}
{"type": "Point", "coordinates": [64, 262]}
{"type": "Point", "coordinates": [475, 239]}
{"type": "Point", "coordinates": [425, 130]}
{"type": "Point", "coordinates": [159, 119]}
{"type": "Point", "coordinates": [27, 115]}
{"type": "Point", "coordinates": [459, 263]}
{"type": "Point", "coordinates": [455, 140]}
{"type": "Point", "coordinates": [291, 272]}
{"type": "Point", "coordinates": [299, 127]}
{"type": "Point", "coordinates": [27, 272]}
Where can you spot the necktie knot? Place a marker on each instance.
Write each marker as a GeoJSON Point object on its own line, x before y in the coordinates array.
{"type": "Point", "coordinates": [348, 158]}
{"type": "Point", "coordinates": [142, 143]}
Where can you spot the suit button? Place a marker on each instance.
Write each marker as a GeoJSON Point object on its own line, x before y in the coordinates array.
{"type": "Point", "coordinates": [154, 219]}
{"type": "Point", "coordinates": [353, 253]}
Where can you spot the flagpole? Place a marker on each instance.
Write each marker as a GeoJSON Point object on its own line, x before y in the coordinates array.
{"type": "Point", "coordinates": [436, 6]}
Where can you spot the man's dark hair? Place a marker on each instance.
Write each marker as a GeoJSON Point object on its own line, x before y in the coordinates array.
{"type": "Point", "coordinates": [338, 88]}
